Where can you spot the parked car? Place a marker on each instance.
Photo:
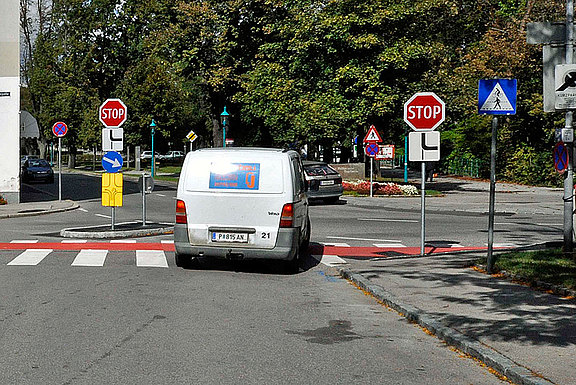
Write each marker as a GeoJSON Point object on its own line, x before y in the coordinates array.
{"type": "Point", "coordinates": [241, 203]}
{"type": "Point", "coordinates": [173, 156]}
{"type": "Point", "coordinates": [37, 170]}
{"type": "Point", "coordinates": [24, 158]}
{"type": "Point", "coordinates": [147, 155]}
{"type": "Point", "coordinates": [323, 181]}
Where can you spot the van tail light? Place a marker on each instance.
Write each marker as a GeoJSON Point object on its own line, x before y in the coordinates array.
{"type": "Point", "coordinates": [287, 216]}
{"type": "Point", "coordinates": [181, 212]}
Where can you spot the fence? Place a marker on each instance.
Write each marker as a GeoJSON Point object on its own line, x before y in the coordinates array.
{"type": "Point", "coordinates": [463, 166]}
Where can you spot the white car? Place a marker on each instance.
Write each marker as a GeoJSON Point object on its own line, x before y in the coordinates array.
{"type": "Point", "coordinates": [148, 155]}
{"type": "Point", "coordinates": [173, 155]}
{"type": "Point", "coordinates": [241, 203]}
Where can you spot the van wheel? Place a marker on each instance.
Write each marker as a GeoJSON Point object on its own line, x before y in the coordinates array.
{"type": "Point", "coordinates": [306, 240]}
{"type": "Point", "coordinates": [185, 261]}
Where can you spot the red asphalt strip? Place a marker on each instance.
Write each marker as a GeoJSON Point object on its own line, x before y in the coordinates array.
{"type": "Point", "coordinates": [359, 252]}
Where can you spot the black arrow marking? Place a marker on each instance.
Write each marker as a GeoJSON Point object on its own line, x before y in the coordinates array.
{"type": "Point", "coordinates": [426, 147]}
{"type": "Point", "coordinates": [113, 139]}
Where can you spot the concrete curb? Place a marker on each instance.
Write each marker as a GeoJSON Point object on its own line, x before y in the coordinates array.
{"type": "Point", "coordinates": [84, 232]}
{"type": "Point", "coordinates": [34, 212]}
{"type": "Point", "coordinates": [490, 357]}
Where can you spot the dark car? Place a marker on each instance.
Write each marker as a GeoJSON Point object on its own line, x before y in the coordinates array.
{"type": "Point", "coordinates": [323, 181]}
{"type": "Point", "coordinates": [37, 170]}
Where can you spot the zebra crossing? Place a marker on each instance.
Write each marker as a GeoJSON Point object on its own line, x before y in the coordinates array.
{"type": "Point", "coordinates": [83, 253]}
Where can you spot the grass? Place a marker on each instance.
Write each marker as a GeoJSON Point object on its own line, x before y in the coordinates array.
{"type": "Point", "coordinates": [551, 266]}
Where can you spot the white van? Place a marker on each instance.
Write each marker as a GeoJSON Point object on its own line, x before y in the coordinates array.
{"type": "Point", "coordinates": [241, 203]}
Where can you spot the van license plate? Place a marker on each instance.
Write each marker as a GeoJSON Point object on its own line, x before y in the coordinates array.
{"type": "Point", "coordinates": [230, 237]}
{"type": "Point", "coordinates": [326, 183]}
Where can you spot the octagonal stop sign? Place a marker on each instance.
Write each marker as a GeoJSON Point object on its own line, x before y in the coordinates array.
{"type": "Point", "coordinates": [113, 113]}
{"type": "Point", "coordinates": [424, 111]}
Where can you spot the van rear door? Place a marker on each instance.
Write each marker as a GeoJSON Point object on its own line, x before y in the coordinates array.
{"type": "Point", "coordinates": [235, 198]}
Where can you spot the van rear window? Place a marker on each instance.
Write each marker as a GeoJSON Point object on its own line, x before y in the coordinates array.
{"type": "Point", "coordinates": [240, 176]}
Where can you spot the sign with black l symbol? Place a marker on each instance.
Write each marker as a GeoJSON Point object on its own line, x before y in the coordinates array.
{"type": "Point", "coordinates": [112, 139]}
{"type": "Point", "coordinates": [424, 146]}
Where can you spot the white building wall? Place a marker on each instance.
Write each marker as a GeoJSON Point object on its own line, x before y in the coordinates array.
{"type": "Point", "coordinates": [10, 100]}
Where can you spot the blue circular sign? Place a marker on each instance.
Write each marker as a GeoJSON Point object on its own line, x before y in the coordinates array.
{"type": "Point", "coordinates": [372, 149]}
{"type": "Point", "coordinates": [112, 161]}
{"type": "Point", "coordinates": [59, 129]}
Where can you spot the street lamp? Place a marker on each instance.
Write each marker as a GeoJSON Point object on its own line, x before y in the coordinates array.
{"type": "Point", "coordinates": [224, 119]}
{"type": "Point", "coordinates": [152, 125]}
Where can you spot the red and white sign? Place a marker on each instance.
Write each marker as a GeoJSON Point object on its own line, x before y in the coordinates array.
{"type": "Point", "coordinates": [424, 111]}
{"type": "Point", "coordinates": [372, 136]}
{"type": "Point", "coordinates": [386, 152]}
{"type": "Point", "coordinates": [59, 129]}
{"type": "Point", "coordinates": [113, 113]}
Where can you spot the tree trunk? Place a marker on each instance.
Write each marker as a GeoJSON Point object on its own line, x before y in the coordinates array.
{"type": "Point", "coordinates": [217, 133]}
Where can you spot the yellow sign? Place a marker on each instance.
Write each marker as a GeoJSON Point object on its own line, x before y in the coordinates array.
{"type": "Point", "coordinates": [112, 184]}
{"type": "Point", "coordinates": [192, 136]}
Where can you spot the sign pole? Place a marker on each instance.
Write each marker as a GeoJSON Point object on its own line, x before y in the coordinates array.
{"type": "Point", "coordinates": [113, 216]}
{"type": "Point", "coordinates": [569, 175]}
{"type": "Point", "coordinates": [405, 157]}
{"type": "Point", "coordinates": [490, 258]}
{"type": "Point", "coordinates": [423, 209]}
{"type": "Point", "coordinates": [143, 199]}
{"type": "Point", "coordinates": [371, 174]}
{"type": "Point", "coordinates": [59, 168]}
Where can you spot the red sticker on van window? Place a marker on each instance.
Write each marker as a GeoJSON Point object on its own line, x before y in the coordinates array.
{"type": "Point", "coordinates": [241, 176]}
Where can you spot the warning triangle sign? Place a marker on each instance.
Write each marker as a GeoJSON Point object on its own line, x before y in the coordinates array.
{"type": "Point", "coordinates": [497, 101]}
{"type": "Point", "coordinates": [372, 135]}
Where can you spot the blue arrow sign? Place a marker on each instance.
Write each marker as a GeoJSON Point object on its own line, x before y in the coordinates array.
{"type": "Point", "coordinates": [112, 161]}
{"type": "Point", "coordinates": [497, 96]}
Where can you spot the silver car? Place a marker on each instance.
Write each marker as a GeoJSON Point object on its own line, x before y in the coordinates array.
{"type": "Point", "coordinates": [323, 181]}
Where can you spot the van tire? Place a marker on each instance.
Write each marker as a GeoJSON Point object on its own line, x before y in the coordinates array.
{"type": "Point", "coordinates": [306, 238]}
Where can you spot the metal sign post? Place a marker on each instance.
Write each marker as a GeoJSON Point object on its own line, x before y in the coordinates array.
{"type": "Point", "coordinates": [423, 210]}
{"type": "Point", "coordinates": [495, 97]}
{"type": "Point", "coordinates": [59, 168]}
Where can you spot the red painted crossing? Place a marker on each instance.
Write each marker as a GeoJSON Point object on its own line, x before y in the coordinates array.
{"type": "Point", "coordinates": [315, 249]}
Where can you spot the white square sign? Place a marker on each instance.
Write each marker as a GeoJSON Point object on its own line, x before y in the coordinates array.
{"type": "Point", "coordinates": [424, 146]}
{"type": "Point", "coordinates": [112, 139]}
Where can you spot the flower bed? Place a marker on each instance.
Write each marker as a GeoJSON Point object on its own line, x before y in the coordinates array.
{"type": "Point", "coordinates": [363, 187]}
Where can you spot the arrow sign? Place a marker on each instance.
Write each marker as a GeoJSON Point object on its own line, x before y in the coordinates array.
{"type": "Point", "coordinates": [112, 162]}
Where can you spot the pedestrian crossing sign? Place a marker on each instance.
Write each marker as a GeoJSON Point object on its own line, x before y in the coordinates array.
{"type": "Point", "coordinates": [497, 96]}
{"type": "Point", "coordinates": [372, 136]}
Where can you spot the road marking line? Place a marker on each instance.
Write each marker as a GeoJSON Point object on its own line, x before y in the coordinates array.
{"type": "Point", "coordinates": [103, 216]}
{"type": "Point", "coordinates": [123, 241]}
{"type": "Point", "coordinates": [83, 209]}
{"type": "Point", "coordinates": [161, 195]}
{"type": "Point", "coordinates": [503, 245]}
{"type": "Point", "coordinates": [336, 244]}
{"type": "Point", "coordinates": [388, 220]}
{"type": "Point", "coordinates": [167, 241]}
{"type": "Point", "coordinates": [330, 260]}
{"type": "Point", "coordinates": [90, 258]}
{"type": "Point", "coordinates": [74, 241]}
{"type": "Point", "coordinates": [386, 245]}
{"type": "Point", "coordinates": [24, 241]}
{"type": "Point", "coordinates": [30, 257]}
{"type": "Point", "coordinates": [151, 258]}
{"type": "Point", "coordinates": [366, 239]}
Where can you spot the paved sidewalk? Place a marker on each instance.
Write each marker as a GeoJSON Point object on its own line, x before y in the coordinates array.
{"type": "Point", "coordinates": [528, 335]}
{"type": "Point", "coordinates": [36, 208]}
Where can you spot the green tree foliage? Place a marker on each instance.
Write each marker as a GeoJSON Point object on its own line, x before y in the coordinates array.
{"type": "Point", "coordinates": [305, 71]}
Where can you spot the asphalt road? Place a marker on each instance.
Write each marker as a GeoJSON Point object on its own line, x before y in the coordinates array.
{"type": "Point", "coordinates": [226, 323]}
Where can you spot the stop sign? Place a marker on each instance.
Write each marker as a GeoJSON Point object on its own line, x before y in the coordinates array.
{"type": "Point", "coordinates": [424, 111]}
{"type": "Point", "coordinates": [113, 113]}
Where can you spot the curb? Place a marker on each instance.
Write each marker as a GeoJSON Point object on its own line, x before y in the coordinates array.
{"type": "Point", "coordinates": [35, 212]}
{"type": "Point", "coordinates": [490, 357]}
{"type": "Point", "coordinates": [84, 232]}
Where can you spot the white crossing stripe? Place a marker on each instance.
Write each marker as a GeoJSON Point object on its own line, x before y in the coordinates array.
{"type": "Point", "coordinates": [30, 257]}
{"type": "Point", "coordinates": [167, 241]}
{"type": "Point", "coordinates": [504, 245]}
{"type": "Point", "coordinates": [74, 241]}
{"type": "Point", "coordinates": [161, 195]}
{"type": "Point", "coordinates": [151, 258]}
{"type": "Point", "coordinates": [24, 241]}
{"type": "Point", "coordinates": [387, 245]}
{"type": "Point", "coordinates": [123, 241]}
{"type": "Point", "coordinates": [336, 244]}
{"type": "Point", "coordinates": [330, 260]}
{"type": "Point", "coordinates": [90, 258]}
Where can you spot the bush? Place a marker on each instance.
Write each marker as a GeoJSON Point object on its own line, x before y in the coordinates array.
{"type": "Point", "coordinates": [363, 187]}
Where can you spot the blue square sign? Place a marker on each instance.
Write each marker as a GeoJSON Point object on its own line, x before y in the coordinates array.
{"type": "Point", "coordinates": [497, 96]}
